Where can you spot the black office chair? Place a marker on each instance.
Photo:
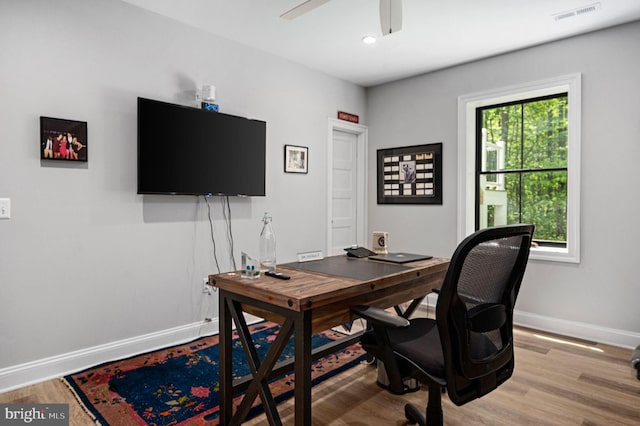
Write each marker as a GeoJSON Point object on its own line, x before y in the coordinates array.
{"type": "Point", "coordinates": [468, 348]}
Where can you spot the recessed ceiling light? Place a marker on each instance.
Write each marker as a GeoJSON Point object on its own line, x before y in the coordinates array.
{"type": "Point", "coordinates": [368, 39]}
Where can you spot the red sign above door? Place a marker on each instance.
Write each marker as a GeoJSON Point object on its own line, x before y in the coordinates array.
{"type": "Point", "coordinates": [348, 117]}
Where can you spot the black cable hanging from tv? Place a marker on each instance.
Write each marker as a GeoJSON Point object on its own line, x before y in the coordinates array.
{"type": "Point", "coordinates": [213, 240]}
{"type": "Point", "coordinates": [226, 213]}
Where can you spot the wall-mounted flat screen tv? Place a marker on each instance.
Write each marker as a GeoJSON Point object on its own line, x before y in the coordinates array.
{"type": "Point", "coordinates": [190, 151]}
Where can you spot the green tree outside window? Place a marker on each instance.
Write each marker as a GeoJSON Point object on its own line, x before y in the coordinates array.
{"type": "Point", "coordinates": [521, 173]}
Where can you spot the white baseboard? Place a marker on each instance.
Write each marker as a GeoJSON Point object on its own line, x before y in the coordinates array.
{"type": "Point", "coordinates": [18, 376]}
{"type": "Point", "coordinates": [580, 330]}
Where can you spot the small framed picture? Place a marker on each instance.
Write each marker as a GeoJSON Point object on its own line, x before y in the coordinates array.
{"type": "Point", "coordinates": [296, 159]}
{"type": "Point", "coordinates": [63, 139]}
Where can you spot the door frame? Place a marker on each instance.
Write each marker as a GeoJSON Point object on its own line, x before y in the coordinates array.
{"type": "Point", "coordinates": [361, 132]}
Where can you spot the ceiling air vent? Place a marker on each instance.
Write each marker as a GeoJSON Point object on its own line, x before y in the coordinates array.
{"type": "Point", "coordinates": [584, 10]}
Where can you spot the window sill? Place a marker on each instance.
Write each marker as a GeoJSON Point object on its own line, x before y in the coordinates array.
{"type": "Point", "coordinates": [550, 254]}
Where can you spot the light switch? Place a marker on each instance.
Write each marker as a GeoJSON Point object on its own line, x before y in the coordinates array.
{"type": "Point", "coordinates": [5, 208]}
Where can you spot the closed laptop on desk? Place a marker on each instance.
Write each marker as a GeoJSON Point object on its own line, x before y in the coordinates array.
{"type": "Point", "coordinates": [400, 257]}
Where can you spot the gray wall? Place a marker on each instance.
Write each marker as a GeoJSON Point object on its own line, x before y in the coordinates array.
{"type": "Point", "coordinates": [84, 260]}
{"type": "Point", "coordinates": [597, 298]}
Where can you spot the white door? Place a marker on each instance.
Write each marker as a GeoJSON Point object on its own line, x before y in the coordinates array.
{"type": "Point", "coordinates": [347, 218]}
{"type": "Point", "coordinates": [344, 190]}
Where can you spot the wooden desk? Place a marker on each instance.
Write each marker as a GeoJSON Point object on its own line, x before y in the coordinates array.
{"type": "Point", "coordinates": [308, 303]}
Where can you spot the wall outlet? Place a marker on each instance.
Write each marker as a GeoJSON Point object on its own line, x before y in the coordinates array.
{"type": "Point", "coordinates": [5, 208]}
{"type": "Point", "coordinates": [206, 288]}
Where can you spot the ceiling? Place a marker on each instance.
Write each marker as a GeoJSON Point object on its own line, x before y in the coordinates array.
{"type": "Point", "coordinates": [435, 34]}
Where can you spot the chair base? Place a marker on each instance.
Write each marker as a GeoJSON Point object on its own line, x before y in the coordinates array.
{"type": "Point", "coordinates": [413, 415]}
{"type": "Point", "coordinates": [434, 415]}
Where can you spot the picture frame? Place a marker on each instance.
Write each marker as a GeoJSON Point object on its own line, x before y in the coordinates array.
{"type": "Point", "coordinates": [63, 140]}
{"type": "Point", "coordinates": [296, 159]}
{"type": "Point", "coordinates": [410, 174]}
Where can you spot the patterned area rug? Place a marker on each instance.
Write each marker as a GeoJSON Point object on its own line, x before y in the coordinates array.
{"type": "Point", "coordinates": [179, 385]}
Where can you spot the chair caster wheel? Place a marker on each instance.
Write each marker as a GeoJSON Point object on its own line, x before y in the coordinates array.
{"type": "Point", "coordinates": [413, 415]}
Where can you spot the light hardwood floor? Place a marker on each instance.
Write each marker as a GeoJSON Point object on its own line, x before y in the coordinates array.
{"type": "Point", "coordinates": [557, 381]}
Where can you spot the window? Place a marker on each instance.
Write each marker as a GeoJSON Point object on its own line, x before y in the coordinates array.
{"type": "Point", "coordinates": [520, 151]}
{"type": "Point", "coordinates": [521, 169]}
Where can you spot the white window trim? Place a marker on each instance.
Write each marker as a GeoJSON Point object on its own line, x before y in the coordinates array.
{"type": "Point", "coordinates": [467, 105]}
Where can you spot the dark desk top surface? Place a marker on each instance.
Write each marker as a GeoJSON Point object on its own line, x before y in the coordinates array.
{"type": "Point", "coordinates": [349, 267]}
{"type": "Point", "coordinates": [322, 282]}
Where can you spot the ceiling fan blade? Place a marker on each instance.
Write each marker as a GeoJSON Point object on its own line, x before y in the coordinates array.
{"type": "Point", "coordinates": [390, 16]}
{"type": "Point", "coordinates": [302, 8]}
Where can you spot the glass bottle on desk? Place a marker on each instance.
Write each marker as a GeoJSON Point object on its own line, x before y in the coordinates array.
{"type": "Point", "coordinates": [267, 245]}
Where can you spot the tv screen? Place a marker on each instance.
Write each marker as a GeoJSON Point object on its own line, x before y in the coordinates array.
{"type": "Point", "coordinates": [184, 150]}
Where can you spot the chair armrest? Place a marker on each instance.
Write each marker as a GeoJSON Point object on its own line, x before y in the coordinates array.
{"type": "Point", "coordinates": [379, 316]}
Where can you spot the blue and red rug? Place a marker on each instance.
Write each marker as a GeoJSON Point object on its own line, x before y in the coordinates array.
{"type": "Point", "coordinates": [179, 385]}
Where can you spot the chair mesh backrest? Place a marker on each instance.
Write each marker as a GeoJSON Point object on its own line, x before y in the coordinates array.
{"type": "Point", "coordinates": [485, 275]}
{"type": "Point", "coordinates": [475, 309]}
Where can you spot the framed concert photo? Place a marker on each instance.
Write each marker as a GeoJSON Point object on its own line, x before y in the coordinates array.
{"type": "Point", "coordinates": [63, 140]}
